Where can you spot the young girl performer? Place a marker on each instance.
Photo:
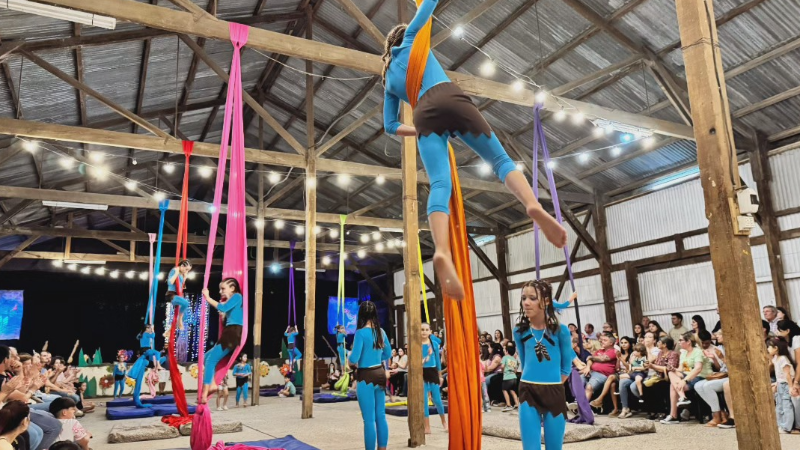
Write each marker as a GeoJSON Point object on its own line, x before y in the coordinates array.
{"type": "Point", "coordinates": [177, 277]}
{"type": "Point", "coordinates": [294, 353]}
{"type": "Point", "coordinates": [231, 333]}
{"type": "Point", "coordinates": [444, 111]}
{"type": "Point", "coordinates": [119, 373]}
{"type": "Point", "coordinates": [242, 372]}
{"type": "Point", "coordinates": [146, 338]}
{"type": "Point", "coordinates": [370, 349]}
{"type": "Point", "coordinates": [431, 366]}
{"type": "Point", "coordinates": [545, 348]}
{"type": "Point", "coordinates": [341, 345]}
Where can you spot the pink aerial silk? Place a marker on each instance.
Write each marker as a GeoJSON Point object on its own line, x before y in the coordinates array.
{"type": "Point", "coordinates": [221, 446]}
{"type": "Point", "coordinates": [235, 259]}
{"type": "Point", "coordinates": [153, 238]}
{"type": "Point", "coordinates": [152, 380]}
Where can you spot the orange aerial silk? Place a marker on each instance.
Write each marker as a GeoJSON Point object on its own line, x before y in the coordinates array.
{"type": "Point", "coordinates": [465, 399]}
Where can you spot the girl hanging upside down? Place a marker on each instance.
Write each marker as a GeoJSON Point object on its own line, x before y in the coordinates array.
{"type": "Point", "coordinates": [231, 335]}
{"type": "Point", "coordinates": [444, 111]}
{"type": "Point", "coordinates": [177, 277]}
{"type": "Point", "coordinates": [545, 352]}
{"type": "Point", "coordinates": [291, 348]}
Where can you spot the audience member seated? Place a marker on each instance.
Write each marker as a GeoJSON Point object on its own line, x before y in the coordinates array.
{"type": "Point", "coordinates": [64, 410]}
{"type": "Point", "coordinates": [656, 329]}
{"type": "Point", "coordinates": [771, 316]}
{"type": "Point", "coordinates": [14, 423]}
{"type": "Point", "coordinates": [601, 365]}
{"type": "Point", "coordinates": [494, 368]}
{"type": "Point", "coordinates": [623, 368]}
{"type": "Point", "coordinates": [589, 332]}
{"type": "Point", "coordinates": [694, 367]}
{"type": "Point", "coordinates": [710, 388]}
{"type": "Point", "coordinates": [288, 389]}
{"type": "Point", "coordinates": [399, 372]}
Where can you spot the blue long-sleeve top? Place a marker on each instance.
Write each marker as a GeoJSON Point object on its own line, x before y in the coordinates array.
{"type": "Point", "coordinates": [141, 364]}
{"type": "Point", "coordinates": [290, 337]}
{"type": "Point", "coordinates": [560, 352]}
{"type": "Point", "coordinates": [398, 69]}
{"type": "Point", "coordinates": [242, 370]}
{"type": "Point", "coordinates": [433, 360]}
{"type": "Point", "coordinates": [340, 338]}
{"type": "Point", "coordinates": [364, 353]}
{"type": "Point", "coordinates": [120, 368]}
{"type": "Point", "coordinates": [146, 341]}
{"type": "Point", "coordinates": [172, 286]}
{"type": "Point", "coordinates": [234, 313]}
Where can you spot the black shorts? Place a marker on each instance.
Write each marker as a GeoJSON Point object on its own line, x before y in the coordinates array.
{"type": "Point", "coordinates": [510, 385]}
{"type": "Point", "coordinates": [241, 381]}
{"type": "Point", "coordinates": [445, 110]}
{"type": "Point", "coordinates": [119, 377]}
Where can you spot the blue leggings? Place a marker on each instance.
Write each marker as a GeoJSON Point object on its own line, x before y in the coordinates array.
{"type": "Point", "coordinates": [372, 402]}
{"type": "Point", "coordinates": [242, 390]}
{"type": "Point", "coordinates": [213, 357]}
{"type": "Point", "coordinates": [435, 157]}
{"type": "Point", "coordinates": [294, 355]}
{"type": "Point", "coordinates": [180, 304]}
{"type": "Point", "coordinates": [342, 352]}
{"type": "Point", "coordinates": [121, 385]}
{"type": "Point", "coordinates": [530, 422]}
{"type": "Point", "coordinates": [436, 393]}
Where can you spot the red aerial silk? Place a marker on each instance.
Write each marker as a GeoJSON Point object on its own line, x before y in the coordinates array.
{"type": "Point", "coordinates": [465, 404]}
{"type": "Point", "coordinates": [235, 259]}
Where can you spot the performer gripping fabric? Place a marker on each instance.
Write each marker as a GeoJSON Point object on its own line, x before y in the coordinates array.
{"type": "Point", "coordinates": [231, 333]}
{"type": "Point", "coordinates": [370, 349]}
{"type": "Point", "coordinates": [442, 111]}
{"type": "Point", "coordinates": [242, 372]}
{"type": "Point", "coordinates": [177, 277]}
{"type": "Point", "coordinates": [545, 351]}
{"type": "Point", "coordinates": [146, 338]}
{"type": "Point", "coordinates": [291, 348]}
{"type": "Point", "coordinates": [341, 346]}
{"type": "Point", "coordinates": [119, 373]}
{"type": "Point", "coordinates": [431, 366]}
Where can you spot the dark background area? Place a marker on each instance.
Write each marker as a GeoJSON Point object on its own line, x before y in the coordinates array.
{"type": "Point", "coordinates": [106, 313]}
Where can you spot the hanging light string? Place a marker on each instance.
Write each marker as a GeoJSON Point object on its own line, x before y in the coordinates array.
{"type": "Point", "coordinates": [315, 75]}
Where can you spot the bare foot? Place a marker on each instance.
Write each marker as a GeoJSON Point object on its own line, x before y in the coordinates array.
{"type": "Point", "coordinates": [428, 431]}
{"type": "Point", "coordinates": [552, 230]}
{"type": "Point", "coordinates": [446, 271]}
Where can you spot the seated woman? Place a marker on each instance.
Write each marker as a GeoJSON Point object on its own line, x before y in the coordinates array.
{"type": "Point", "coordinates": [231, 335]}
{"type": "Point", "coordinates": [693, 368]}
{"type": "Point", "coordinates": [710, 388]}
{"type": "Point", "coordinates": [397, 375]}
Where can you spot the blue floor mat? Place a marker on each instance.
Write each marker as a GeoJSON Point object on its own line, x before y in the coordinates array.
{"type": "Point", "coordinates": [402, 411]}
{"type": "Point", "coordinates": [330, 398]}
{"type": "Point", "coordinates": [166, 410]}
{"type": "Point", "coordinates": [128, 412]}
{"type": "Point", "coordinates": [273, 392]}
{"type": "Point", "coordinates": [160, 400]}
{"type": "Point", "coordinates": [287, 443]}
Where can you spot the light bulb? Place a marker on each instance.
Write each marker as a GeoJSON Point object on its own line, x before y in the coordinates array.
{"type": "Point", "coordinates": [131, 185]}
{"type": "Point", "coordinates": [376, 236]}
{"type": "Point", "coordinates": [390, 243]}
{"type": "Point", "coordinates": [317, 230]}
{"type": "Point", "coordinates": [364, 238]}
{"type": "Point", "coordinates": [379, 246]}
{"type": "Point", "coordinates": [334, 233]}
{"type": "Point", "coordinates": [100, 271]}
{"type": "Point", "coordinates": [129, 274]}
{"type": "Point", "coordinates": [58, 263]}
{"type": "Point", "coordinates": [518, 85]}
{"type": "Point", "coordinates": [159, 196]}
{"type": "Point", "coordinates": [144, 275]}
{"type": "Point", "coordinates": [458, 31]}
{"type": "Point", "coordinates": [598, 132]}
{"type": "Point", "coordinates": [274, 267]}
{"type": "Point", "coordinates": [96, 156]}
{"type": "Point", "coordinates": [311, 182]}
{"type": "Point", "coordinates": [326, 260]}
{"type": "Point", "coordinates": [560, 115]}
{"type": "Point", "coordinates": [609, 129]}
{"type": "Point", "coordinates": [279, 224]}
{"type": "Point", "coordinates": [190, 275]}
{"type": "Point", "coordinates": [300, 230]}
{"type": "Point", "coordinates": [86, 270]}
{"type": "Point", "coordinates": [66, 162]}
{"type": "Point", "coordinates": [100, 172]}
{"type": "Point", "coordinates": [205, 171]}
{"type": "Point", "coordinates": [259, 223]}
{"type": "Point", "coordinates": [169, 168]}
{"type": "Point", "coordinates": [488, 68]}
{"type": "Point", "coordinates": [211, 208]}
{"type": "Point", "coordinates": [648, 141]}
{"type": "Point", "coordinates": [485, 169]}
{"type": "Point", "coordinates": [134, 161]}
{"type": "Point", "coordinates": [398, 243]}
{"type": "Point", "coordinates": [72, 266]}
{"type": "Point", "coordinates": [551, 164]}
{"type": "Point", "coordinates": [114, 274]}
{"type": "Point", "coordinates": [274, 177]}
{"type": "Point", "coordinates": [541, 96]}
{"type": "Point", "coordinates": [343, 179]}
{"type": "Point", "coordinates": [627, 137]}
{"type": "Point", "coordinates": [380, 179]}
{"type": "Point", "coordinates": [30, 146]}
{"type": "Point", "coordinates": [403, 243]}
{"type": "Point", "coordinates": [578, 118]}
{"type": "Point", "coordinates": [616, 151]}
{"type": "Point", "coordinates": [160, 275]}
{"type": "Point", "coordinates": [362, 253]}
{"type": "Point", "coordinates": [583, 157]}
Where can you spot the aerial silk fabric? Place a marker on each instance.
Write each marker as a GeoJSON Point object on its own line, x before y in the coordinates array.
{"type": "Point", "coordinates": [163, 205]}
{"type": "Point", "coordinates": [465, 399]}
{"type": "Point", "coordinates": [340, 298]}
{"type": "Point", "coordinates": [424, 291]}
{"type": "Point", "coordinates": [151, 302]}
{"type": "Point", "coordinates": [235, 257]}
{"type": "Point", "coordinates": [292, 314]}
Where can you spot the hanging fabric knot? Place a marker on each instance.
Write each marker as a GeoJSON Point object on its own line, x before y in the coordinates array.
{"type": "Point", "coordinates": [188, 147]}
{"type": "Point", "coordinates": [152, 237]}
{"type": "Point", "coordinates": [163, 205]}
{"type": "Point", "coordinates": [239, 34]}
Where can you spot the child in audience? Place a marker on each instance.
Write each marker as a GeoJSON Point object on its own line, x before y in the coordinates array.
{"type": "Point", "coordinates": [64, 409]}
{"type": "Point", "coordinates": [288, 389]}
{"type": "Point", "coordinates": [222, 394]}
{"type": "Point", "coordinates": [784, 373]}
{"type": "Point", "coordinates": [637, 369]}
{"type": "Point", "coordinates": [510, 365]}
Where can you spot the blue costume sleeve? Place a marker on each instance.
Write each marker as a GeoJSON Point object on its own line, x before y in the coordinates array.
{"type": "Point", "coordinates": [233, 310]}
{"type": "Point", "coordinates": [387, 348]}
{"type": "Point", "coordinates": [436, 357]}
{"type": "Point", "coordinates": [520, 348]}
{"type": "Point", "coordinates": [236, 370]}
{"type": "Point", "coordinates": [391, 113]}
{"type": "Point", "coordinates": [358, 345]}
{"type": "Point", "coordinates": [567, 353]}
{"type": "Point", "coordinates": [424, 13]}
{"type": "Point", "coordinates": [560, 305]}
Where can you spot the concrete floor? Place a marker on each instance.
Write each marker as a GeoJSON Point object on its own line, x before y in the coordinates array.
{"type": "Point", "coordinates": [338, 427]}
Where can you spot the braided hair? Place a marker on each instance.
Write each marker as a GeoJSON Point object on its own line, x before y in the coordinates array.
{"type": "Point", "coordinates": [393, 39]}
{"type": "Point", "coordinates": [544, 293]}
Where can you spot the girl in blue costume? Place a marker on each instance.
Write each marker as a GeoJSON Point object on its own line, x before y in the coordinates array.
{"type": "Point", "coordinates": [431, 366]}
{"type": "Point", "coordinates": [146, 338]}
{"type": "Point", "coordinates": [177, 277]}
{"type": "Point", "coordinates": [242, 372]}
{"type": "Point", "coordinates": [443, 111]}
{"type": "Point", "coordinates": [545, 351]}
{"type": "Point", "coordinates": [119, 373]}
{"type": "Point", "coordinates": [231, 335]}
{"type": "Point", "coordinates": [341, 346]}
{"type": "Point", "coordinates": [291, 347]}
{"type": "Point", "coordinates": [371, 348]}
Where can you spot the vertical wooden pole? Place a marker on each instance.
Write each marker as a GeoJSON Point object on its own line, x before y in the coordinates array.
{"type": "Point", "coordinates": [634, 296]}
{"type": "Point", "coordinates": [502, 267]}
{"type": "Point", "coordinates": [411, 290]}
{"type": "Point", "coordinates": [604, 260]}
{"type": "Point", "coordinates": [254, 396]}
{"type": "Point", "coordinates": [68, 247]}
{"type": "Point", "coordinates": [311, 239]}
{"type": "Point", "coordinates": [401, 323]}
{"type": "Point", "coordinates": [762, 174]}
{"type": "Point", "coordinates": [390, 301]}
{"type": "Point", "coordinates": [134, 214]}
{"type": "Point", "coordinates": [731, 255]}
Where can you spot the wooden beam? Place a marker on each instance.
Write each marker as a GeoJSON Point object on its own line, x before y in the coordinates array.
{"type": "Point", "coordinates": [777, 52]}
{"type": "Point", "coordinates": [116, 247]}
{"type": "Point", "coordinates": [730, 254]}
{"type": "Point", "coordinates": [634, 295]}
{"type": "Point", "coordinates": [13, 93]}
{"type": "Point", "coordinates": [502, 269]}
{"type": "Point", "coordinates": [98, 96]}
{"type": "Point", "coordinates": [589, 14]}
{"type": "Point", "coordinates": [158, 17]}
{"type": "Point", "coordinates": [675, 93]}
{"type": "Point", "coordinates": [363, 21]}
{"type": "Point", "coordinates": [604, 260]}
{"type": "Point", "coordinates": [758, 106]}
{"type": "Point", "coordinates": [350, 128]}
{"type": "Point", "coordinates": [25, 244]}
{"type": "Point", "coordinates": [14, 210]}
{"type": "Point", "coordinates": [285, 190]}
{"type": "Point", "coordinates": [378, 291]}
{"type": "Point", "coordinates": [582, 233]}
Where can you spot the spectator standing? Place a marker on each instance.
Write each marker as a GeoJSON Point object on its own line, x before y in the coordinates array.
{"type": "Point", "coordinates": [498, 337]}
{"type": "Point", "coordinates": [677, 327]}
{"type": "Point", "coordinates": [784, 373]}
{"type": "Point", "coordinates": [718, 326]}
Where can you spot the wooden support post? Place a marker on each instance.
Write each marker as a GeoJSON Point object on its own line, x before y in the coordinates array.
{"type": "Point", "coordinates": [731, 255]}
{"type": "Point", "coordinates": [502, 268]}
{"type": "Point", "coordinates": [134, 214]}
{"type": "Point", "coordinates": [68, 246]}
{"type": "Point", "coordinates": [604, 260]}
{"type": "Point", "coordinates": [311, 238]}
{"type": "Point", "coordinates": [259, 303]}
{"type": "Point", "coordinates": [412, 289]}
{"type": "Point", "coordinates": [762, 175]}
{"type": "Point", "coordinates": [634, 296]}
{"type": "Point", "coordinates": [392, 309]}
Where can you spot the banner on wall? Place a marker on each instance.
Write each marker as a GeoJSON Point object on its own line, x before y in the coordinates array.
{"type": "Point", "coordinates": [10, 314]}
{"type": "Point", "coordinates": [350, 314]}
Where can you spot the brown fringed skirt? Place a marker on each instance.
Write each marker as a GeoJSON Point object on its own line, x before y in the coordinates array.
{"type": "Point", "coordinates": [231, 337]}
{"type": "Point", "coordinates": [544, 397]}
{"type": "Point", "coordinates": [372, 375]}
{"type": "Point", "coordinates": [430, 375]}
{"type": "Point", "coordinates": [446, 110]}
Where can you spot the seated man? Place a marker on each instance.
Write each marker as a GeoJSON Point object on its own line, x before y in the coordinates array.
{"type": "Point", "coordinates": [64, 410]}
{"type": "Point", "coordinates": [288, 389]}
{"type": "Point", "coordinates": [601, 365]}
